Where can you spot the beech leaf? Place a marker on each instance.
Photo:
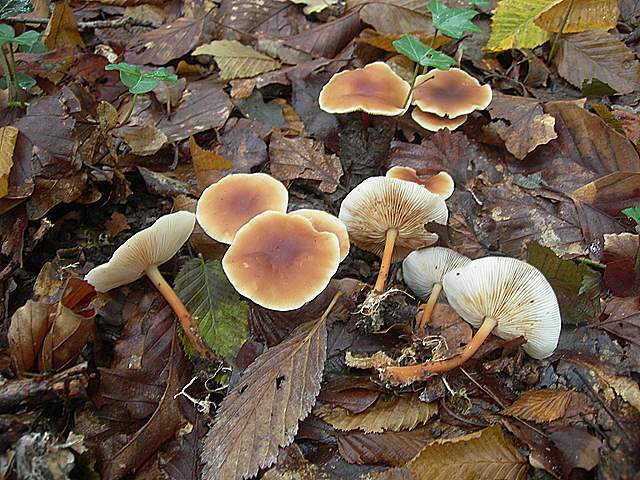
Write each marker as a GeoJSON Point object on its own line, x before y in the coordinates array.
{"type": "Point", "coordinates": [8, 137]}
{"type": "Point", "coordinates": [208, 165]}
{"type": "Point", "coordinates": [542, 406]}
{"type": "Point", "coordinates": [261, 413]}
{"type": "Point", "coordinates": [29, 325]}
{"type": "Point", "coordinates": [236, 60]}
{"type": "Point", "coordinates": [62, 29]}
{"type": "Point", "coordinates": [585, 15]}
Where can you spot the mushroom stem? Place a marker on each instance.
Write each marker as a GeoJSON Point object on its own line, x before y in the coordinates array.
{"type": "Point", "coordinates": [409, 373]}
{"type": "Point", "coordinates": [428, 307]}
{"type": "Point", "coordinates": [390, 241]}
{"type": "Point", "coordinates": [180, 310]}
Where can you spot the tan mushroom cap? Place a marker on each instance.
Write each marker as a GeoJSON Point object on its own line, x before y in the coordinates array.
{"type": "Point", "coordinates": [152, 246]}
{"type": "Point", "coordinates": [441, 184]}
{"type": "Point", "coordinates": [381, 203]}
{"type": "Point", "coordinates": [280, 261]}
{"type": "Point", "coordinates": [325, 222]}
{"type": "Point", "coordinates": [513, 293]}
{"type": "Point", "coordinates": [375, 89]}
{"type": "Point", "coordinates": [435, 123]}
{"type": "Point", "coordinates": [230, 203]}
{"type": "Point", "coordinates": [422, 268]}
{"type": "Point", "coordinates": [450, 93]}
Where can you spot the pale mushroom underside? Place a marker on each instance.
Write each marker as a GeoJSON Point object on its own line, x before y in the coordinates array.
{"type": "Point", "coordinates": [422, 268]}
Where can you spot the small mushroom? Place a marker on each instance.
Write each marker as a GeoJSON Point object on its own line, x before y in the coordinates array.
{"type": "Point", "coordinates": [228, 204]}
{"type": "Point", "coordinates": [325, 222]}
{"type": "Point", "coordinates": [450, 93]}
{"type": "Point", "coordinates": [502, 295]}
{"type": "Point", "coordinates": [280, 261]}
{"type": "Point", "coordinates": [441, 184]}
{"type": "Point", "coordinates": [434, 123]}
{"type": "Point", "coordinates": [387, 216]}
{"type": "Point", "coordinates": [141, 255]}
{"type": "Point", "coordinates": [374, 89]}
{"type": "Point", "coordinates": [423, 271]}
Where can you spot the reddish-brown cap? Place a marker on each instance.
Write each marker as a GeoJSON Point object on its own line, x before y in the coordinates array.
{"type": "Point", "coordinates": [381, 203]}
{"type": "Point", "coordinates": [375, 89]}
{"type": "Point", "coordinates": [450, 93]}
{"type": "Point", "coordinates": [230, 203]}
{"type": "Point", "coordinates": [441, 184]}
{"type": "Point", "coordinates": [280, 261]}
{"type": "Point", "coordinates": [434, 123]}
{"type": "Point", "coordinates": [325, 222]}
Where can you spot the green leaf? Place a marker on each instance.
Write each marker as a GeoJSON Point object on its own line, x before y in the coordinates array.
{"type": "Point", "coordinates": [453, 22]}
{"type": "Point", "coordinates": [25, 82]}
{"type": "Point", "coordinates": [10, 8]}
{"type": "Point", "coordinates": [27, 39]}
{"type": "Point", "coordinates": [633, 213]}
{"type": "Point", "coordinates": [576, 286]}
{"type": "Point", "coordinates": [219, 311]}
{"type": "Point", "coordinates": [483, 4]}
{"type": "Point", "coordinates": [412, 48]}
{"type": "Point", "coordinates": [138, 82]}
{"type": "Point", "coordinates": [7, 34]}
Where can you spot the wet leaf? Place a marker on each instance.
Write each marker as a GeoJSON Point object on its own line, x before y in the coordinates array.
{"type": "Point", "coordinates": [621, 255]}
{"type": "Point", "coordinates": [585, 15]}
{"type": "Point", "coordinates": [219, 311]}
{"type": "Point", "coordinates": [8, 137]}
{"type": "Point", "coordinates": [391, 448]}
{"type": "Point", "coordinates": [624, 318]}
{"type": "Point", "coordinates": [262, 411]}
{"type": "Point", "coordinates": [394, 414]}
{"type": "Point", "coordinates": [208, 165]}
{"type": "Point", "coordinates": [236, 60]}
{"type": "Point", "coordinates": [543, 406]}
{"type": "Point", "coordinates": [483, 454]}
{"type": "Point", "coordinates": [453, 22]}
{"type": "Point", "coordinates": [29, 326]}
{"type": "Point", "coordinates": [62, 29]}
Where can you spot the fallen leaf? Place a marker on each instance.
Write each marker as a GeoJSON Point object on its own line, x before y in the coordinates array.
{"type": "Point", "coordinates": [315, 6]}
{"type": "Point", "coordinates": [388, 18]}
{"type": "Point", "coordinates": [144, 140]}
{"type": "Point", "coordinates": [483, 454]}
{"type": "Point", "coordinates": [62, 29]}
{"type": "Point", "coordinates": [303, 158]}
{"type": "Point", "coordinates": [621, 255]}
{"type": "Point", "coordinates": [525, 124]}
{"type": "Point", "coordinates": [353, 394]}
{"type": "Point", "coordinates": [49, 193]}
{"type": "Point", "coordinates": [328, 39]}
{"type": "Point", "coordinates": [262, 411]}
{"type": "Point", "coordinates": [394, 414]}
{"type": "Point", "coordinates": [8, 137]}
{"type": "Point", "coordinates": [236, 60]}
{"type": "Point", "coordinates": [611, 193]}
{"type": "Point", "coordinates": [585, 15]}
{"type": "Point", "coordinates": [201, 242]}
{"type": "Point", "coordinates": [236, 16]}
{"type": "Point", "coordinates": [242, 145]}
{"type": "Point", "coordinates": [391, 448]}
{"type": "Point", "coordinates": [208, 165]}
{"type": "Point", "coordinates": [543, 406]}
{"type": "Point", "coordinates": [268, 114]}
{"type": "Point", "coordinates": [117, 223]}
{"type": "Point", "coordinates": [579, 448]}
{"type": "Point", "coordinates": [630, 123]}
{"type": "Point", "coordinates": [164, 185]}
{"type": "Point", "coordinates": [624, 318]}
{"type": "Point", "coordinates": [590, 55]}
{"type": "Point", "coordinates": [29, 326]}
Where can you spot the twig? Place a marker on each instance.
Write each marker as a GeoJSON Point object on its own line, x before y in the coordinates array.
{"type": "Point", "coordinates": [633, 37]}
{"type": "Point", "coordinates": [556, 38]}
{"type": "Point", "coordinates": [114, 23]}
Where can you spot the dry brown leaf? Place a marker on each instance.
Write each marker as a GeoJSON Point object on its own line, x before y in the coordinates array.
{"type": "Point", "coordinates": [483, 454]}
{"type": "Point", "coordinates": [385, 41]}
{"type": "Point", "coordinates": [29, 326]}
{"type": "Point", "coordinates": [208, 165]}
{"type": "Point", "coordinates": [236, 60]}
{"type": "Point", "coordinates": [585, 15]}
{"type": "Point", "coordinates": [598, 55]}
{"type": "Point", "coordinates": [144, 140]}
{"type": "Point", "coordinates": [624, 318]}
{"type": "Point", "coordinates": [391, 448]}
{"type": "Point", "coordinates": [630, 123]}
{"type": "Point", "coordinates": [542, 406]}
{"type": "Point", "coordinates": [394, 414]}
{"type": "Point", "coordinates": [261, 413]}
{"type": "Point", "coordinates": [303, 158]}
{"type": "Point", "coordinates": [392, 19]}
{"type": "Point", "coordinates": [526, 125]}
{"type": "Point", "coordinates": [62, 29]}
{"type": "Point", "coordinates": [8, 137]}
{"type": "Point", "coordinates": [116, 224]}
{"type": "Point", "coordinates": [620, 255]}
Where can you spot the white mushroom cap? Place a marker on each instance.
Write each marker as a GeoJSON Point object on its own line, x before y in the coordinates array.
{"type": "Point", "coordinates": [382, 203]}
{"type": "Point", "coordinates": [325, 222]}
{"type": "Point", "coordinates": [152, 246]}
{"type": "Point", "coordinates": [422, 268]}
{"type": "Point", "coordinates": [512, 292]}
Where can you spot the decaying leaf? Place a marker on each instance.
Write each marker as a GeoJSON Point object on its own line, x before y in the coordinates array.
{"type": "Point", "coordinates": [621, 255]}
{"type": "Point", "coordinates": [483, 454]}
{"type": "Point", "coordinates": [391, 18]}
{"type": "Point", "coordinates": [391, 448]}
{"type": "Point", "coordinates": [624, 318]}
{"type": "Point", "coordinates": [315, 6]}
{"type": "Point", "coordinates": [261, 413]}
{"type": "Point", "coordinates": [8, 137]}
{"type": "Point", "coordinates": [143, 139]}
{"type": "Point", "coordinates": [29, 326]}
{"type": "Point", "coordinates": [394, 414]}
{"type": "Point", "coordinates": [62, 29]}
{"type": "Point", "coordinates": [116, 224]}
{"type": "Point", "coordinates": [584, 15]}
{"type": "Point", "coordinates": [236, 60]}
{"type": "Point", "coordinates": [303, 158]}
{"type": "Point", "coordinates": [208, 165]}
{"type": "Point", "coordinates": [542, 406]}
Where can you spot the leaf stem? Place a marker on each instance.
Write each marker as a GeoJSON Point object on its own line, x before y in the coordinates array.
{"type": "Point", "coordinates": [425, 69]}
{"type": "Point", "coordinates": [556, 38]}
{"type": "Point", "coordinates": [7, 75]}
{"type": "Point", "coordinates": [132, 105]}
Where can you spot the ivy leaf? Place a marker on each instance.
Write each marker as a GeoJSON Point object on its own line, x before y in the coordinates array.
{"type": "Point", "coordinates": [28, 39]}
{"type": "Point", "coordinates": [10, 8]}
{"type": "Point", "coordinates": [453, 22]}
{"type": "Point", "coordinates": [7, 34]}
{"type": "Point", "coordinates": [220, 313]}
{"type": "Point", "coordinates": [138, 82]}
{"type": "Point", "coordinates": [483, 4]}
{"type": "Point", "coordinates": [412, 48]}
{"type": "Point", "coordinates": [25, 82]}
{"type": "Point", "coordinates": [633, 213]}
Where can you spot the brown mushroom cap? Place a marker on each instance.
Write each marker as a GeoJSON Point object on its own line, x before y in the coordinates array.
{"type": "Point", "coordinates": [230, 203]}
{"type": "Point", "coordinates": [325, 222]}
{"type": "Point", "coordinates": [450, 93]}
{"type": "Point", "coordinates": [434, 123]}
{"type": "Point", "coordinates": [375, 89]}
{"type": "Point", "coordinates": [280, 261]}
{"type": "Point", "coordinates": [441, 184]}
{"type": "Point", "coordinates": [381, 203]}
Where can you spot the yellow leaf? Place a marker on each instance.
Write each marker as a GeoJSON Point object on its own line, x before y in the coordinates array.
{"type": "Point", "coordinates": [542, 406]}
{"type": "Point", "coordinates": [236, 60]}
{"type": "Point", "coordinates": [394, 414]}
{"type": "Point", "coordinates": [8, 137]}
{"type": "Point", "coordinates": [585, 15]}
{"type": "Point", "coordinates": [513, 24]}
{"type": "Point", "coordinates": [207, 164]}
{"type": "Point", "coordinates": [62, 29]}
{"type": "Point", "coordinates": [483, 454]}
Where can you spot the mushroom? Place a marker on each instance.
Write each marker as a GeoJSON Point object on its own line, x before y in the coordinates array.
{"type": "Point", "coordinates": [441, 184]}
{"type": "Point", "coordinates": [423, 271]}
{"type": "Point", "coordinates": [280, 261]}
{"type": "Point", "coordinates": [325, 222]}
{"type": "Point", "coordinates": [228, 204]}
{"type": "Point", "coordinates": [502, 295]}
{"type": "Point", "coordinates": [450, 93]}
{"type": "Point", "coordinates": [388, 216]}
{"type": "Point", "coordinates": [434, 123]}
{"type": "Point", "coordinates": [141, 255]}
{"type": "Point", "coordinates": [375, 89]}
